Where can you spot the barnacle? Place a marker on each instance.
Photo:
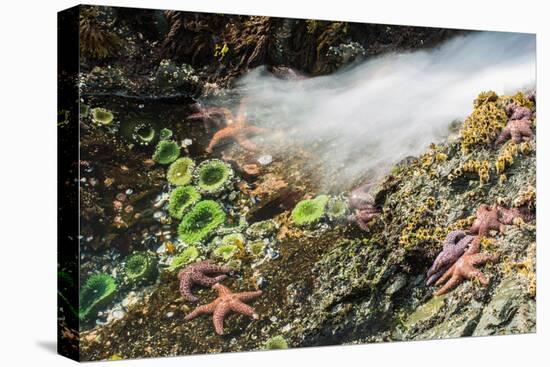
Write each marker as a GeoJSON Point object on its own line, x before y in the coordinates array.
{"type": "Point", "coordinates": [201, 221]}
{"type": "Point", "coordinates": [520, 99]}
{"type": "Point", "coordinates": [180, 171]}
{"type": "Point", "coordinates": [166, 152]}
{"type": "Point", "coordinates": [263, 228]}
{"type": "Point", "coordinates": [95, 293]}
{"type": "Point", "coordinates": [526, 197]}
{"type": "Point", "coordinates": [484, 123]}
{"type": "Point", "coordinates": [256, 248]}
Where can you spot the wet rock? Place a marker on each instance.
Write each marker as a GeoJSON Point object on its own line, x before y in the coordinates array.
{"type": "Point", "coordinates": [508, 311]}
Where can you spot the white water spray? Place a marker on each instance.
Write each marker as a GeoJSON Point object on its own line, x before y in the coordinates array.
{"type": "Point", "coordinates": [375, 113]}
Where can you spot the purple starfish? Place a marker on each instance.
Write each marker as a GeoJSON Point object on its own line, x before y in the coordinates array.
{"type": "Point", "coordinates": [197, 273]}
{"type": "Point", "coordinates": [454, 246]}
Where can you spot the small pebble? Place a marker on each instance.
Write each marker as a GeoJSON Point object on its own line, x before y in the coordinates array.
{"type": "Point", "coordinates": [264, 160]}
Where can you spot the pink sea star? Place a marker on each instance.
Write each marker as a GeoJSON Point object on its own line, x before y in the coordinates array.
{"type": "Point", "coordinates": [197, 273]}
{"type": "Point", "coordinates": [454, 246]}
{"type": "Point", "coordinates": [464, 268]}
{"type": "Point", "coordinates": [226, 302]}
{"type": "Point", "coordinates": [517, 131]}
{"type": "Point", "coordinates": [363, 206]}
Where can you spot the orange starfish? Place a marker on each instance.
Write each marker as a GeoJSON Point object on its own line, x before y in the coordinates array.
{"type": "Point", "coordinates": [487, 219]}
{"type": "Point", "coordinates": [226, 302]}
{"type": "Point", "coordinates": [464, 268]}
{"type": "Point", "coordinates": [237, 130]}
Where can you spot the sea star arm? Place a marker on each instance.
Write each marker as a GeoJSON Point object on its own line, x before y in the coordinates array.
{"type": "Point", "coordinates": [504, 135]}
{"type": "Point", "coordinates": [219, 315]}
{"type": "Point", "coordinates": [208, 281]}
{"type": "Point", "coordinates": [244, 309]}
{"type": "Point", "coordinates": [246, 143]}
{"type": "Point", "coordinates": [211, 268]}
{"type": "Point", "coordinates": [447, 275]}
{"type": "Point", "coordinates": [248, 296]}
{"type": "Point", "coordinates": [475, 226]}
{"type": "Point", "coordinates": [218, 136]}
{"type": "Point", "coordinates": [222, 291]}
{"type": "Point", "coordinates": [241, 114]}
{"type": "Point", "coordinates": [473, 273]}
{"type": "Point", "coordinates": [480, 259]}
{"type": "Point", "coordinates": [201, 310]}
{"type": "Point", "coordinates": [450, 285]}
{"type": "Point", "coordinates": [185, 289]}
{"type": "Point", "coordinates": [525, 131]}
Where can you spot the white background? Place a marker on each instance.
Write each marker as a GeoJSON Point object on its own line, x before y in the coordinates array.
{"type": "Point", "coordinates": [28, 182]}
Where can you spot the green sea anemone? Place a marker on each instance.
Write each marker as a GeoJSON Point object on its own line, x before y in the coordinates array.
{"type": "Point", "coordinates": [187, 256]}
{"type": "Point", "coordinates": [96, 293]}
{"type": "Point", "coordinates": [143, 133]}
{"type": "Point", "coordinates": [256, 248]}
{"type": "Point", "coordinates": [213, 176]}
{"type": "Point", "coordinates": [102, 116]}
{"type": "Point", "coordinates": [337, 209]}
{"type": "Point", "coordinates": [166, 152]}
{"type": "Point", "coordinates": [141, 267]}
{"type": "Point", "coordinates": [309, 212]}
{"type": "Point", "coordinates": [201, 221]}
{"type": "Point", "coordinates": [180, 172]}
{"type": "Point", "coordinates": [226, 252]}
{"type": "Point", "coordinates": [276, 342]}
{"type": "Point", "coordinates": [165, 134]}
{"type": "Point", "coordinates": [182, 199]}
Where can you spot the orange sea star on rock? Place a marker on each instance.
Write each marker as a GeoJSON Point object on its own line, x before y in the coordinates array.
{"type": "Point", "coordinates": [486, 220]}
{"type": "Point", "coordinates": [464, 268]}
{"type": "Point", "coordinates": [496, 217]}
{"type": "Point", "coordinates": [197, 273]}
{"type": "Point", "coordinates": [226, 302]}
{"type": "Point", "coordinates": [237, 129]}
